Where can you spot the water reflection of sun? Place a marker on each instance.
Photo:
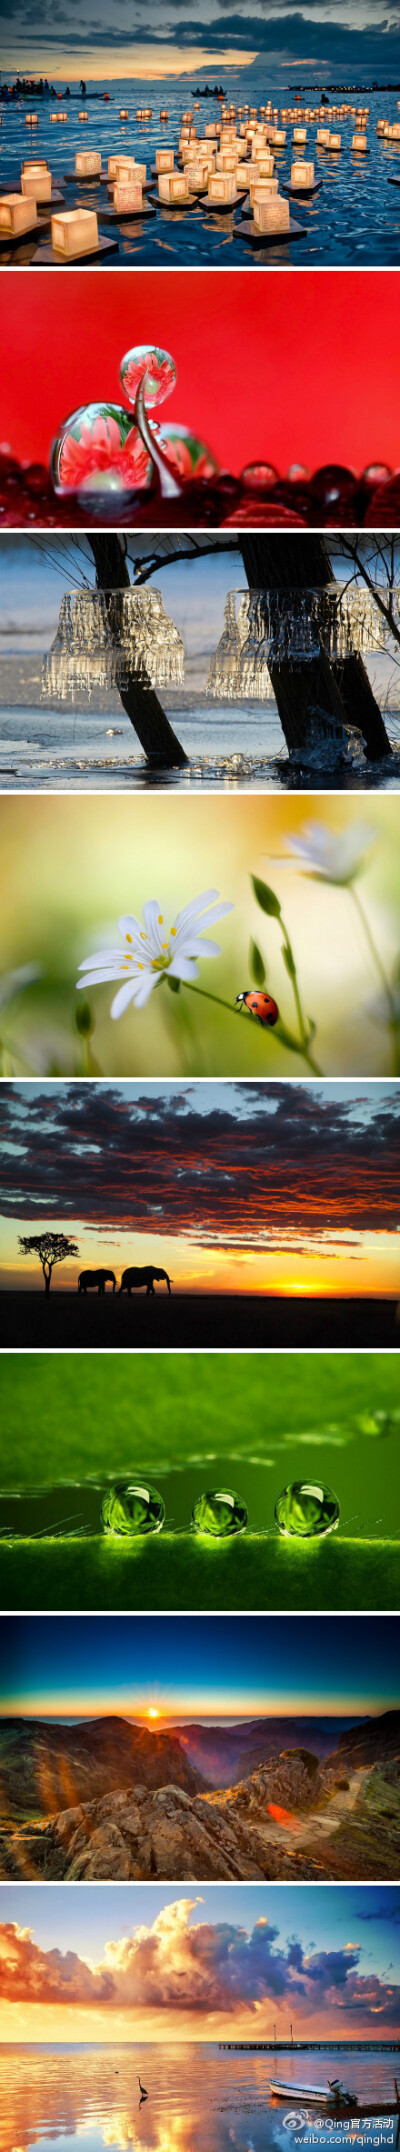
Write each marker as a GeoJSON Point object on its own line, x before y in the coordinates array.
{"type": "Point", "coordinates": [172, 2136]}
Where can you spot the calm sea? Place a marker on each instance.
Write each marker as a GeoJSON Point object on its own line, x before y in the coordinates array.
{"type": "Point", "coordinates": [354, 220]}
{"type": "Point", "coordinates": [200, 2099]}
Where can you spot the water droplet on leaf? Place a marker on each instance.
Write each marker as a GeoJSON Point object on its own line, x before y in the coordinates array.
{"type": "Point", "coordinates": [307, 1510]}
{"type": "Point", "coordinates": [219, 1513]}
{"type": "Point", "coordinates": [130, 1508]}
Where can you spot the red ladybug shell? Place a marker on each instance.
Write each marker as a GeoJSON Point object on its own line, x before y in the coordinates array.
{"type": "Point", "coordinates": [260, 1004]}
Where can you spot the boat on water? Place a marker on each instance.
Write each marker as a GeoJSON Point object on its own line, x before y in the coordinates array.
{"type": "Point", "coordinates": [334, 2094]}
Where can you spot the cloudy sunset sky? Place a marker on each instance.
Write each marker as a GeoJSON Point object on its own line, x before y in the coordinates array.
{"type": "Point", "coordinates": [169, 37]}
{"type": "Point", "coordinates": [119, 1962]}
{"type": "Point", "coordinates": [236, 1187]}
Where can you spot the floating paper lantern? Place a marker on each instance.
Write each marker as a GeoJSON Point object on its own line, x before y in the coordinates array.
{"type": "Point", "coordinates": [31, 119]}
{"type": "Point", "coordinates": [123, 114]}
{"type": "Point", "coordinates": [17, 213]}
{"type": "Point", "coordinates": [83, 115]}
{"type": "Point", "coordinates": [323, 137]}
{"type": "Point", "coordinates": [197, 176]}
{"type": "Point", "coordinates": [172, 187]}
{"type": "Point", "coordinates": [302, 174]}
{"type": "Point", "coordinates": [37, 184]}
{"type": "Point", "coordinates": [335, 141]}
{"type": "Point", "coordinates": [265, 164]}
{"type": "Point", "coordinates": [299, 134]}
{"type": "Point", "coordinates": [164, 160]}
{"type": "Point", "coordinates": [127, 197]}
{"type": "Point", "coordinates": [74, 233]}
{"type": "Point", "coordinates": [212, 128]}
{"type": "Point", "coordinates": [263, 190]}
{"type": "Point", "coordinates": [165, 115]}
{"type": "Point", "coordinates": [222, 187]}
{"type": "Point", "coordinates": [126, 169]}
{"type": "Point", "coordinates": [272, 215]}
{"type": "Point", "coordinates": [226, 162]}
{"type": "Point", "coordinates": [88, 163]}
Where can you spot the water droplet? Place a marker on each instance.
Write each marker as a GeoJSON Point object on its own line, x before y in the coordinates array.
{"type": "Point", "coordinates": [307, 1510]}
{"type": "Point", "coordinates": [219, 1513]}
{"type": "Point", "coordinates": [157, 367]}
{"type": "Point", "coordinates": [189, 456]}
{"type": "Point", "coordinates": [130, 1509]}
{"type": "Point", "coordinates": [99, 439]}
{"type": "Point", "coordinates": [259, 477]}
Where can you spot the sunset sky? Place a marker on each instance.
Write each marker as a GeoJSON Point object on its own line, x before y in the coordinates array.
{"type": "Point", "coordinates": [229, 1186]}
{"type": "Point", "coordinates": [212, 1667]}
{"type": "Point", "coordinates": [129, 1961]}
{"type": "Point", "coordinates": [317, 37]}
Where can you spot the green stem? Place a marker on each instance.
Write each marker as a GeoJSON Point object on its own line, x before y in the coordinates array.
{"type": "Point", "coordinates": [292, 1045]}
{"type": "Point", "coordinates": [377, 960]}
{"type": "Point", "coordinates": [298, 1005]}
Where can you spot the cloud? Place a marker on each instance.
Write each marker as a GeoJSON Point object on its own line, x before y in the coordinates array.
{"type": "Point", "coordinates": [207, 1968]}
{"type": "Point", "coordinates": [277, 1162]}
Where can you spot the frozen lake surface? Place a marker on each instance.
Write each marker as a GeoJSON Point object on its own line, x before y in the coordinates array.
{"type": "Point", "coordinates": [230, 747]}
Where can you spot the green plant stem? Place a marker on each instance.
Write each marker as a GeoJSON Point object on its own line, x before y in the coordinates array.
{"type": "Point", "coordinates": [375, 954]}
{"type": "Point", "coordinates": [292, 1045]}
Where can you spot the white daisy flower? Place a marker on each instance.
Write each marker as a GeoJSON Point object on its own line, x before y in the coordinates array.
{"type": "Point", "coordinates": [150, 950]}
{"type": "Point", "coordinates": [333, 856]}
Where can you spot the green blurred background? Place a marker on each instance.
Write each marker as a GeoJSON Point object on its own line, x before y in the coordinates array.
{"type": "Point", "coordinates": [71, 866]}
{"type": "Point", "coordinates": [188, 1420]}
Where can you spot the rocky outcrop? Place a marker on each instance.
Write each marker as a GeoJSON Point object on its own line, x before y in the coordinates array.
{"type": "Point", "coordinates": [285, 1821]}
{"type": "Point", "coordinates": [136, 1836]}
{"type": "Point", "coordinates": [45, 1768]}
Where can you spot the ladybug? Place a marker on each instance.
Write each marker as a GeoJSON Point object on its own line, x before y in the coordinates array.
{"type": "Point", "coordinates": [260, 1004]}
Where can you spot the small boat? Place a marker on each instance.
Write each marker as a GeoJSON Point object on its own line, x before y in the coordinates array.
{"type": "Point", "coordinates": [334, 2094]}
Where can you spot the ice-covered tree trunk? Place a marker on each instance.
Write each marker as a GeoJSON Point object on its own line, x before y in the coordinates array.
{"type": "Point", "coordinates": [273, 561]}
{"type": "Point", "coordinates": [139, 699]}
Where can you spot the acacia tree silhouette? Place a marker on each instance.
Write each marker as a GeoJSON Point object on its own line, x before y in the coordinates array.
{"type": "Point", "coordinates": [51, 1248]}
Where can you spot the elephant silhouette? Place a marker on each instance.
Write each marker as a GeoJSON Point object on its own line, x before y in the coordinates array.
{"type": "Point", "coordinates": [133, 1279]}
{"type": "Point", "coordinates": [90, 1279]}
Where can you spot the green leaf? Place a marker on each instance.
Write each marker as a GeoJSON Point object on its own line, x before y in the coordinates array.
{"type": "Point", "coordinates": [174, 985]}
{"type": "Point", "coordinates": [266, 898]}
{"type": "Point", "coordinates": [256, 964]}
{"type": "Point", "coordinates": [288, 960]}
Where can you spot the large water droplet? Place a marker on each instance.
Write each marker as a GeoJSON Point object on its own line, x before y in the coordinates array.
{"type": "Point", "coordinates": [99, 438]}
{"type": "Point", "coordinates": [157, 367]}
{"type": "Point", "coordinates": [219, 1513]}
{"type": "Point", "coordinates": [131, 1508]}
{"type": "Point", "coordinates": [307, 1510]}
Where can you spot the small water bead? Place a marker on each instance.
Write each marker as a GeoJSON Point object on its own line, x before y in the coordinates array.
{"type": "Point", "coordinates": [219, 1513]}
{"type": "Point", "coordinates": [147, 360]}
{"type": "Point", "coordinates": [307, 1510]}
{"type": "Point", "coordinates": [130, 1509]}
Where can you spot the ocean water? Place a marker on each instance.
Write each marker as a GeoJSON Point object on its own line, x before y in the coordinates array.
{"type": "Point", "coordinates": [354, 220]}
{"type": "Point", "coordinates": [200, 2099]}
{"type": "Point", "coordinates": [230, 748]}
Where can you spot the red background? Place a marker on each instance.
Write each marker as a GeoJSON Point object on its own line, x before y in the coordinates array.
{"type": "Point", "coordinates": [300, 365]}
